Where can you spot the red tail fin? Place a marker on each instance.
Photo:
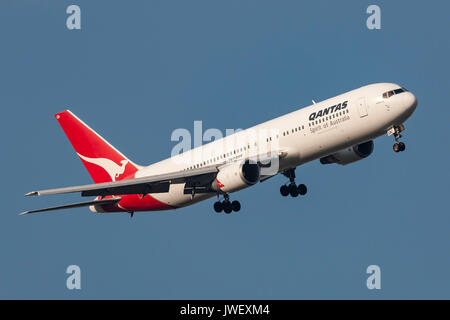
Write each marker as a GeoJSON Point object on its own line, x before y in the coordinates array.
{"type": "Point", "coordinates": [103, 162]}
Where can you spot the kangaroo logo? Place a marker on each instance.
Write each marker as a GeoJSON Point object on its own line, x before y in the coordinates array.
{"type": "Point", "coordinates": [220, 184]}
{"type": "Point", "coordinates": [113, 169]}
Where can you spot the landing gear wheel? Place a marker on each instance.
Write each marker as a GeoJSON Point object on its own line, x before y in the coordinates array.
{"type": "Point", "coordinates": [293, 190]}
{"type": "Point", "coordinates": [401, 146]}
{"type": "Point", "coordinates": [302, 189]}
{"type": "Point", "coordinates": [284, 190]}
{"type": "Point", "coordinates": [227, 207]}
{"type": "Point", "coordinates": [218, 207]}
{"type": "Point", "coordinates": [236, 206]}
{"type": "Point", "coordinates": [396, 147]}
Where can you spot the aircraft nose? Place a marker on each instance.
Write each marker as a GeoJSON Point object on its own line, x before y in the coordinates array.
{"type": "Point", "coordinates": [410, 102]}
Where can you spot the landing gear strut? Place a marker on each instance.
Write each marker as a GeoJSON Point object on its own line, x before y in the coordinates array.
{"type": "Point", "coordinates": [292, 189]}
{"type": "Point", "coordinates": [226, 205]}
{"type": "Point", "coordinates": [398, 146]}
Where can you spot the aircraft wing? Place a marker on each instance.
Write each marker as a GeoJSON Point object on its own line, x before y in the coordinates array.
{"type": "Point", "coordinates": [76, 205]}
{"type": "Point", "coordinates": [151, 184]}
{"type": "Point", "coordinates": [198, 179]}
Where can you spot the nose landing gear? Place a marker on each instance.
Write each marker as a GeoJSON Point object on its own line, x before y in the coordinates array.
{"type": "Point", "coordinates": [226, 205]}
{"type": "Point", "coordinates": [398, 146]}
{"type": "Point", "coordinates": [292, 189]}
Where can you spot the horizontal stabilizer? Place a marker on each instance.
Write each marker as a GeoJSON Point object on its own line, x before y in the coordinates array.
{"type": "Point", "coordinates": [76, 205]}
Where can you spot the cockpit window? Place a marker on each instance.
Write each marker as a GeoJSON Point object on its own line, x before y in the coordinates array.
{"type": "Point", "coordinates": [389, 94]}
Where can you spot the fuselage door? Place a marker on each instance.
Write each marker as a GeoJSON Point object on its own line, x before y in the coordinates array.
{"type": "Point", "coordinates": [362, 108]}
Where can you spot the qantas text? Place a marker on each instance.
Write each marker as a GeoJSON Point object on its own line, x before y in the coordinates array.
{"type": "Point", "coordinates": [329, 110]}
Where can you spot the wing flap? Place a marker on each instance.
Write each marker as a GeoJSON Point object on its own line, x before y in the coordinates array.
{"type": "Point", "coordinates": [76, 205]}
{"type": "Point", "coordinates": [142, 188]}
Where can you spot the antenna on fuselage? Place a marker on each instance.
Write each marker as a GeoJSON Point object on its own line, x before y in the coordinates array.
{"type": "Point", "coordinates": [313, 101]}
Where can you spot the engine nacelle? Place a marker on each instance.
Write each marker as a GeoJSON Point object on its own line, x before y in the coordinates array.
{"type": "Point", "coordinates": [349, 155]}
{"type": "Point", "coordinates": [236, 176]}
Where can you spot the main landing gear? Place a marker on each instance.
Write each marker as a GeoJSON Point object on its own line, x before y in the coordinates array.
{"type": "Point", "coordinates": [226, 205]}
{"type": "Point", "coordinates": [292, 189]}
{"type": "Point", "coordinates": [398, 146]}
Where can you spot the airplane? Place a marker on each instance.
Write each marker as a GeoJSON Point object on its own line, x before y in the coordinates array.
{"type": "Point", "coordinates": [338, 130]}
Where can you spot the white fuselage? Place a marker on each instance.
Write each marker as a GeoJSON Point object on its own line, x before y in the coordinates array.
{"type": "Point", "coordinates": [298, 137]}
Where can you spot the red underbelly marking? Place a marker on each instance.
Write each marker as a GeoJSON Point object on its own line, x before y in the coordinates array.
{"type": "Point", "coordinates": [133, 202]}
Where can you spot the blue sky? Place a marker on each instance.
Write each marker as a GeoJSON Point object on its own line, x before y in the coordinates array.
{"type": "Point", "coordinates": [140, 69]}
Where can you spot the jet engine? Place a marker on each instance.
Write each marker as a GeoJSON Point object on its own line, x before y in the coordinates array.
{"type": "Point", "coordinates": [349, 155]}
{"type": "Point", "coordinates": [236, 176]}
